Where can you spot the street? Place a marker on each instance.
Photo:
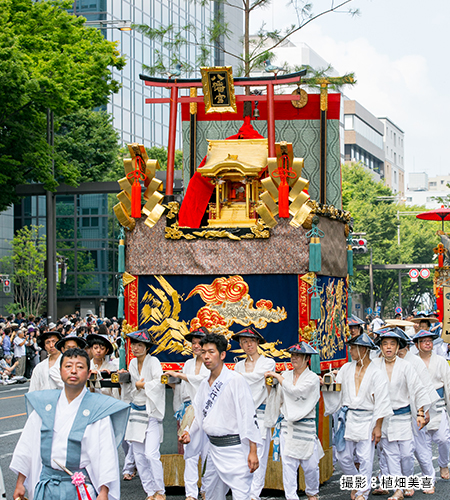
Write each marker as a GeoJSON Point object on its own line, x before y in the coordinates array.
{"type": "Point", "coordinates": [13, 417]}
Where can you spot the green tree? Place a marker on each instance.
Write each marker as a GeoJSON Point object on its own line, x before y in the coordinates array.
{"type": "Point", "coordinates": [155, 153]}
{"type": "Point", "coordinates": [87, 142]}
{"type": "Point", "coordinates": [375, 213]}
{"type": "Point", "coordinates": [257, 48]}
{"type": "Point", "coordinates": [48, 61]}
{"type": "Point", "coordinates": [26, 267]}
{"type": "Point", "coordinates": [443, 200]}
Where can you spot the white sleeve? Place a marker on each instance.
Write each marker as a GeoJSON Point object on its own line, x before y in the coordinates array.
{"type": "Point", "coordinates": [155, 391]}
{"type": "Point", "coordinates": [27, 457]}
{"type": "Point", "coordinates": [100, 452]}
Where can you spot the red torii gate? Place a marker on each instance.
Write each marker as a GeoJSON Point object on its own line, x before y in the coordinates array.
{"type": "Point", "coordinates": [174, 99]}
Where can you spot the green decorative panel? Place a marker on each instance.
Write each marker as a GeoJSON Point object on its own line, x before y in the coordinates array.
{"type": "Point", "coordinates": [305, 137]}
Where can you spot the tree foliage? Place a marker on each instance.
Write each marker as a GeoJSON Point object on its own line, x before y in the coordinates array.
{"type": "Point", "coordinates": [26, 267]}
{"type": "Point", "coordinates": [48, 61]}
{"type": "Point", "coordinates": [88, 143]}
{"type": "Point", "coordinates": [256, 49]}
{"type": "Point", "coordinates": [376, 215]}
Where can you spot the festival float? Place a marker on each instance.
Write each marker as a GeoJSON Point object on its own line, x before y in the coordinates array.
{"type": "Point", "coordinates": [259, 239]}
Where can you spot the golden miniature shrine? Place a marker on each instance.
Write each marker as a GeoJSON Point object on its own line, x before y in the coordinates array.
{"type": "Point", "coordinates": [235, 166]}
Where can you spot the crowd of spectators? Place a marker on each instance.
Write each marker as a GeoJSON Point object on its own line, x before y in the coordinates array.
{"type": "Point", "coordinates": [19, 348]}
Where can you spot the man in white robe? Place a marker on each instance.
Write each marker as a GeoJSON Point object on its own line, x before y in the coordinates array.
{"type": "Point", "coordinates": [147, 396]}
{"type": "Point", "coordinates": [101, 350]}
{"type": "Point", "coordinates": [364, 399]}
{"type": "Point", "coordinates": [193, 373]}
{"type": "Point", "coordinates": [225, 414]}
{"type": "Point", "coordinates": [253, 369]}
{"type": "Point", "coordinates": [300, 392]}
{"type": "Point", "coordinates": [47, 374]}
{"type": "Point", "coordinates": [77, 429]}
{"type": "Point", "coordinates": [425, 457]}
{"type": "Point", "coordinates": [437, 429]}
{"type": "Point", "coordinates": [406, 392]}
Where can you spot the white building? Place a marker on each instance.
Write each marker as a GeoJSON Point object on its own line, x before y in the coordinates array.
{"type": "Point", "coordinates": [418, 181]}
{"type": "Point", "coordinates": [438, 183]}
{"type": "Point", "coordinates": [423, 190]}
{"type": "Point", "coordinates": [363, 138]}
{"type": "Point", "coordinates": [394, 167]}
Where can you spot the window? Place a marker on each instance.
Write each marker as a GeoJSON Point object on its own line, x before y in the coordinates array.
{"type": "Point", "coordinates": [348, 122]}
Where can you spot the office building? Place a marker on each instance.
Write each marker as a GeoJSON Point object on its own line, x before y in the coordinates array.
{"type": "Point", "coordinates": [394, 167]}
{"type": "Point", "coordinates": [363, 138]}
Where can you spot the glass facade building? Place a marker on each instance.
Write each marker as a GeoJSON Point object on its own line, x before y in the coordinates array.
{"type": "Point", "coordinates": [136, 121]}
{"type": "Point", "coordinates": [87, 235]}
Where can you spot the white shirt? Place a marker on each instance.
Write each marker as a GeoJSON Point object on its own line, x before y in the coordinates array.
{"type": "Point", "coordinates": [372, 398]}
{"type": "Point", "coordinates": [405, 388]}
{"type": "Point", "coordinates": [44, 377]}
{"type": "Point", "coordinates": [256, 379]}
{"type": "Point", "coordinates": [19, 350]}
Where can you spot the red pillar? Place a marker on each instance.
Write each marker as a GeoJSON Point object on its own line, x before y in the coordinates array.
{"type": "Point", "coordinates": [171, 144]}
{"type": "Point", "coordinates": [271, 120]}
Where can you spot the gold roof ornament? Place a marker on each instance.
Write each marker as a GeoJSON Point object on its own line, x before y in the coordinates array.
{"type": "Point", "coordinates": [235, 158]}
{"type": "Point", "coordinates": [153, 208]}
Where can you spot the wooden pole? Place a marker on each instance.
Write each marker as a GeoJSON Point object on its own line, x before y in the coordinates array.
{"type": "Point", "coordinates": [271, 120]}
{"type": "Point", "coordinates": [171, 144]}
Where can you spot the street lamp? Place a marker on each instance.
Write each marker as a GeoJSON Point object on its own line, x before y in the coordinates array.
{"type": "Point", "coordinates": [119, 24]}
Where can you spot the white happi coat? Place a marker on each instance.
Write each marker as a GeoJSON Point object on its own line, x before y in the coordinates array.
{"type": "Point", "coordinates": [186, 390]}
{"type": "Point", "coordinates": [439, 371]}
{"type": "Point", "coordinates": [153, 396]}
{"type": "Point", "coordinates": [405, 387]}
{"type": "Point", "coordinates": [372, 398]}
{"type": "Point", "coordinates": [299, 402]}
{"type": "Point", "coordinates": [233, 412]}
{"type": "Point", "coordinates": [257, 383]}
{"type": "Point", "coordinates": [44, 378]}
{"type": "Point", "coordinates": [103, 468]}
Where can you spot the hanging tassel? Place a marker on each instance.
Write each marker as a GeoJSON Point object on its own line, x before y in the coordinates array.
{"type": "Point", "coordinates": [349, 298]}
{"type": "Point", "coordinates": [121, 302]}
{"type": "Point", "coordinates": [284, 172]}
{"type": "Point", "coordinates": [136, 199]}
{"type": "Point", "coordinates": [283, 200]}
{"type": "Point", "coordinates": [315, 360]}
{"type": "Point", "coordinates": [349, 255]}
{"type": "Point", "coordinates": [136, 194]}
{"type": "Point", "coordinates": [122, 355]}
{"type": "Point", "coordinates": [315, 364]}
{"type": "Point", "coordinates": [315, 255]}
{"type": "Point", "coordinates": [121, 263]}
{"type": "Point", "coordinates": [315, 250]}
{"type": "Point", "coordinates": [349, 305]}
{"type": "Point", "coordinates": [314, 291]}
{"type": "Point", "coordinates": [315, 307]}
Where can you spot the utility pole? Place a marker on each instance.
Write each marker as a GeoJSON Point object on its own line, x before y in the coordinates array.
{"type": "Point", "coordinates": [51, 230]}
{"type": "Point", "coordinates": [371, 279]}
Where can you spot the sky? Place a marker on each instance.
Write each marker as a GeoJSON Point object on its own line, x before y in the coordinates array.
{"type": "Point", "coordinates": [399, 52]}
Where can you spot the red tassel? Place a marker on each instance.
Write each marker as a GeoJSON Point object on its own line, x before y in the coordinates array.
{"type": "Point", "coordinates": [283, 200]}
{"type": "Point", "coordinates": [136, 199]}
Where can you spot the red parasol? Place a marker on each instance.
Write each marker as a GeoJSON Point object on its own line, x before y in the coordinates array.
{"type": "Point", "coordinates": [441, 214]}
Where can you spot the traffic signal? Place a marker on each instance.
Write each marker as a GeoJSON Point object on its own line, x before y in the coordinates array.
{"type": "Point", "coordinates": [7, 286]}
{"type": "Point", "coordinates": [359, 245]}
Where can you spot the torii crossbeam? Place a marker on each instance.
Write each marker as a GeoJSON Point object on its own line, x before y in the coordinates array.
{"type": "Point", "coordinates": [174, 99]}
